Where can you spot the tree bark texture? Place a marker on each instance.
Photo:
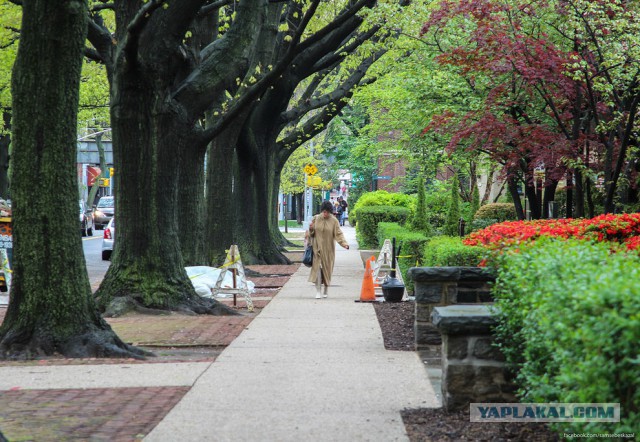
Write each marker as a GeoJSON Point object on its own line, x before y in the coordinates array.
{"type": "Point", "coordinates": [158, 95]}
{"type": "Point", "coordinates": [259, 157]}
{"type": "Point", "coordinates": [51, 308]}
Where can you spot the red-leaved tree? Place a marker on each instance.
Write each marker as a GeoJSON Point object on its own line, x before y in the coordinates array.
{"type": "Point", "coordinates": [560, 96]}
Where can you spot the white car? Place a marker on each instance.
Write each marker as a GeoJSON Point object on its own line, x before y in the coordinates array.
{"type": "Point", "coordinates": [108, 237]}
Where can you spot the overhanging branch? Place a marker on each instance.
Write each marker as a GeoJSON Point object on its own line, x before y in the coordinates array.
{"type": "Point", "coordinates": [332, 103]}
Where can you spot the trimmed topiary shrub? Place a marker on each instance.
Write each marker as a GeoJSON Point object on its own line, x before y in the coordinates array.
{"type": "Point", "coordinates": [370, 217]}
{"type": "Point", "coordinates": [499, 211]}
{"type": "Point", "coordinates": [380, 198]}
{"type": "Point", "coordinates": [569, 326]}
{"type": "Point", "coordinates": [443, 251]}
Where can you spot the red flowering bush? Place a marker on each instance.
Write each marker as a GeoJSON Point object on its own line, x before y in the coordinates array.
{"type": "Point", "coordinates": [622, 229]}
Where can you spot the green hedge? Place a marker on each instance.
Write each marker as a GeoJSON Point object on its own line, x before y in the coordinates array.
{"type": "Point", "coordinates": [412, 244]}
{"type": "Point", "coordinates": [380, 198]}
{"type": "Point", "coordinates": [443, 251]}
{"type": "Point", "coordinates": [569, 324]}
{"type": "Point", "coordinates": [370, 217]}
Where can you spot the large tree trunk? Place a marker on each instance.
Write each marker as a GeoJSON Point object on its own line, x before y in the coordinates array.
{"type": "Point", "coordinates": [159, 91]}
{"type": "Point", "coordinates": [255, 190]}
{"type": "Point", "coordinates": [147, 268]}
{"type": "Point", "coordinates": [191, 206]}
{"type": "Point", "coordinates": [221, 205]}
{"type": "Point", "coordinates": [51, 308]}
{"type": "Point", "coordinates": [512, 186]}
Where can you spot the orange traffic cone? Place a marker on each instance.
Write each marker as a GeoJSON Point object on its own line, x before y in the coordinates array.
{"type": "Point", "coordinates": [367, 293]}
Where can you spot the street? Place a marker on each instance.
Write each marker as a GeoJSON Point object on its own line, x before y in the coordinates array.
{"type": "Point", "coordinates": [96, 267]}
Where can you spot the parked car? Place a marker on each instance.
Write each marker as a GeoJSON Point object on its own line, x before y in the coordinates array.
{"type": "Point", "coordinates": [103, 211]}
{"type": "Point", "coordinates": [86, 219]}
{"type": "Point", "coordinates": [108, 237]}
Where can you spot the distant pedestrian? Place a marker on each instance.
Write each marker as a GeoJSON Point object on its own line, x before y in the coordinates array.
{"type": "Point", "coordinates": [343, 213]}
{"type": "Point", "coordinates": [339, 210]}
{"type": "Point", "coordinates": [324, 232]}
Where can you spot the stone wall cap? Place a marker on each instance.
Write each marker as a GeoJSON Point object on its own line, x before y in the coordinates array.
{"type": "Point", "coordinates": [464, 319]}
{"type": "Point", "coordinates": [428, 274]}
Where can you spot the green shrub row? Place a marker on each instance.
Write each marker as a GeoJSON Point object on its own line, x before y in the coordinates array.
{"type": "Point", "coordinates": [369, 217]}
{"type": "Point", "coordinates": [443, 251]}
{"type": "Point", "coordinates": [569, 325]}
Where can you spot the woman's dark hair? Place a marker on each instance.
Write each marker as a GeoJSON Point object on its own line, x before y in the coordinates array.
{"type": "Point", "coordinates": [326, 205]}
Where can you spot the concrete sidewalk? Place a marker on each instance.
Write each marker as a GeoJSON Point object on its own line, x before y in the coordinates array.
{"type": "Point", "coordinates": [305, 370]}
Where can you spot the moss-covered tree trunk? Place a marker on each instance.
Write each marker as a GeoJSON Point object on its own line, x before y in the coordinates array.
{"type": "Point", "coordinates": [159, 92]}
{"type": "Point", "coordinates": [244, 199]}
{"type": "Point", "coordinates": [147, 269]}
{"type": "Point", "coordinates": [5, 142]}
{"type": "Point", "coordinates": [51, 308]}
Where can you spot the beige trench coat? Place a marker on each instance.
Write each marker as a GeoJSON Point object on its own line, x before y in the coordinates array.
{"type": "Point", "coordinates": [324, 235]}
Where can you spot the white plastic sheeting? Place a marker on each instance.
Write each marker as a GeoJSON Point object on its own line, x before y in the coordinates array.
{"type": "Point", "coordinates": [204, 279]}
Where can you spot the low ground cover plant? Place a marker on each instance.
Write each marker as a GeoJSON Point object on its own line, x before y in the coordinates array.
{"type": "Point", "coordinates": [569, 324]}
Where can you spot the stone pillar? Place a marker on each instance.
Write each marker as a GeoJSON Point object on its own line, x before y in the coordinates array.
{"type": "Point", "coordinates": [473, 370]}
{"type": "Point", "coordinates": [441, 286]}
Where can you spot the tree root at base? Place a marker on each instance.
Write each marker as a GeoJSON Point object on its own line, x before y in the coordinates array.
{"type": "Point", "coordinates": [93, 343]}
{"type": "Point", "coordinates": [121, 305]}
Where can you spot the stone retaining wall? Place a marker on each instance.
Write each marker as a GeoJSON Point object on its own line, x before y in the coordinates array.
{"type": "Point", "coordinates": [473, 370]}
{"type": "Point", "coordinates": [442, 286]}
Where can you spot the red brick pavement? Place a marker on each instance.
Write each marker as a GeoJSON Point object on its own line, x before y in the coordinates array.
{"type": "Point", "coordinates": [117, 414]}
{"type": "Point", "coordinates": [127, 414]}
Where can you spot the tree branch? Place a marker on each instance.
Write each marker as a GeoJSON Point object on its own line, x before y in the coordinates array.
{"type": "Point", "coordinates": [131, 39]}
{"type": "Point", "coordinates": [341, 19]}
{"type": "Point", "coordinates": [253, 92]}
{"type": "Point", "coordinates": [338, 98]}
{"type": "Point", "coordinates": [213, 7]}
{"type": "Point", "coordinates": [102, 7]}
{"type": "Point", "coordinates": [100, 37]}
{"type": "Point", "coordinates": [315, 83]}
{"type": "Point", "coordinates": [222, 61]}
{"type": "Point", "coordinates": [341, 53]}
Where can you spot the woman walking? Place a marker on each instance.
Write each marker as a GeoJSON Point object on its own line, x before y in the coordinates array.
{"type": "Point", "coordinates": [324, 232]}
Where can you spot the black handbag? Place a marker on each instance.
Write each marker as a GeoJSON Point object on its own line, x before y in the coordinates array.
{"type": "Point", "coordinates": [307, 259]}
